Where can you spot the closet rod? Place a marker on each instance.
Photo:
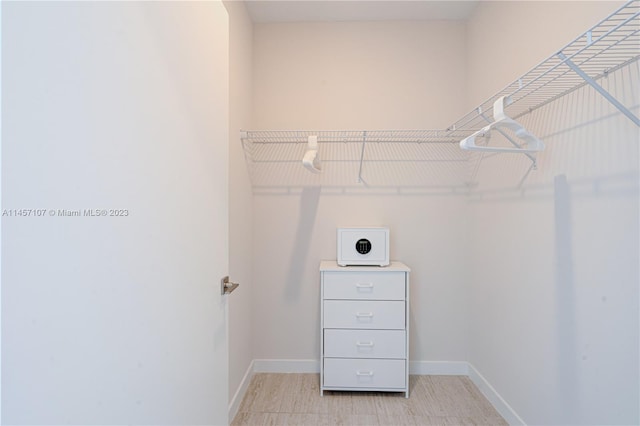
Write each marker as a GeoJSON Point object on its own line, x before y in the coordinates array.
{"type": "Point", "coordinates": [445, 141]}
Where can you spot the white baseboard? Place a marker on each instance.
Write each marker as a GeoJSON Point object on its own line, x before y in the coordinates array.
{"type": "Point", "coordinates": [286, 366]}
{"type": "Point", "coordinates": [234, 405]}
{"type": "Point", "coordinates": [494, 398]}
{"type": "Point", "coordinates": [436, 368]}
{"type": "Point", "coordinates": [439, 368]}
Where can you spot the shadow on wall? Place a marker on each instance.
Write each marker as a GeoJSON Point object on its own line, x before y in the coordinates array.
{"type": "Point", "coordinates": [309, 200]}
{"type": "Point", "coordinates": [566, 373]}
{"type": "Point", "coordinates": [574, 221]}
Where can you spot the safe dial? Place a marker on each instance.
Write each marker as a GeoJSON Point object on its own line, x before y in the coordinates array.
{"type": "Point", "coordinates": [363, 246]}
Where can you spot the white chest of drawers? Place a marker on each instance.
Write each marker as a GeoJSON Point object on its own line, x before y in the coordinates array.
{"type": "Point", "coordinates": [364, 320]}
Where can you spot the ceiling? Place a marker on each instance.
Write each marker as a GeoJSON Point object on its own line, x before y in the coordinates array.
{"type": "Point", "coordinates": [357, 10]}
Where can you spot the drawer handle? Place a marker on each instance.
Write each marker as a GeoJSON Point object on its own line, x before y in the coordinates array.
{"type": "Point", "coordinates": [364, 315]}
{"type": "Point", "coordinates": [364, 285]}
{"type": "Point", "coordinates": [364, 373]}
{"type": "Point", "coordinates": [365, 344]}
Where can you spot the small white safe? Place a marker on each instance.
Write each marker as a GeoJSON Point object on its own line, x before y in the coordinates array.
{"type": "Point", "coordinates": [363, 246]}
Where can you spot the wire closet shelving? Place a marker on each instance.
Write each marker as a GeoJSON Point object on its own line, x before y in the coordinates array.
{"type": "Point", "coordinates": [608, 46]}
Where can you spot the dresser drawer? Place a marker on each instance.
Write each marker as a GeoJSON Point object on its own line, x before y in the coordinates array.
{"type": "Point", "coordinates": [364, 373]}
{"type": "Point", "coordinates": [369, 314]}
{"type": "Point", "coordinates": [364, 343]}
{"type": "Point", "coordinates": [364, 285]}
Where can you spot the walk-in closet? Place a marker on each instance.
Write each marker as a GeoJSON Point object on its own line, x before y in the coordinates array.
{"type": "Point", "coordinates": [320, 212]}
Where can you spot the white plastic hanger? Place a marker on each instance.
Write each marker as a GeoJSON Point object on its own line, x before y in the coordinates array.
{"type": "Point", "coordinates": [310, 160]}
{"type": "Point", "coordinates": [502, 121]}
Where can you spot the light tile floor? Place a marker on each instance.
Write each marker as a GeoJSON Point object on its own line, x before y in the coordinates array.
{"type": "Point", "coordinates": [294, 399]}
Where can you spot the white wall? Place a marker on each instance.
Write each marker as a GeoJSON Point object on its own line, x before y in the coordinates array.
{"type": "Point", "coordinates": [505, 39]}
{"type": "Point", "coordinates": [537, 289]}
{"type": "Point", "coordinates": [114, 105]}
{"type": "Point", "coordinates": [286, 309]}
{"type": "Point", "coordinates": [358, 75]}
{"type": "Point", "coordinates": [240, 195]}
{"type": "Point", "coordinates": [553, 299]}
{"type": "Point", "coordinates": [367, 75]}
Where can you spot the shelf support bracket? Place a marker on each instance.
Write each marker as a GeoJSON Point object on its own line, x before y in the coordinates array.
{"type": "Point", "coordinates": [364, 141]}
{"type": "Point", "coordinates": [599, 88]}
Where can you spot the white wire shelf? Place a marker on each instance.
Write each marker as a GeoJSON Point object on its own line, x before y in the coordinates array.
{"type": "Point", "coordinates": [611, 44]}
{"type": "Point", "coordinates": [350, 136]}
{"type": "Point", "coordinates": [399, 158]}
{"type": "Point", "coordinates": [400, 155]}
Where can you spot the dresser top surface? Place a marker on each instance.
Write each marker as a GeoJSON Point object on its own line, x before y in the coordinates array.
{"type": "Point", "coordinates": [332, 266]}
